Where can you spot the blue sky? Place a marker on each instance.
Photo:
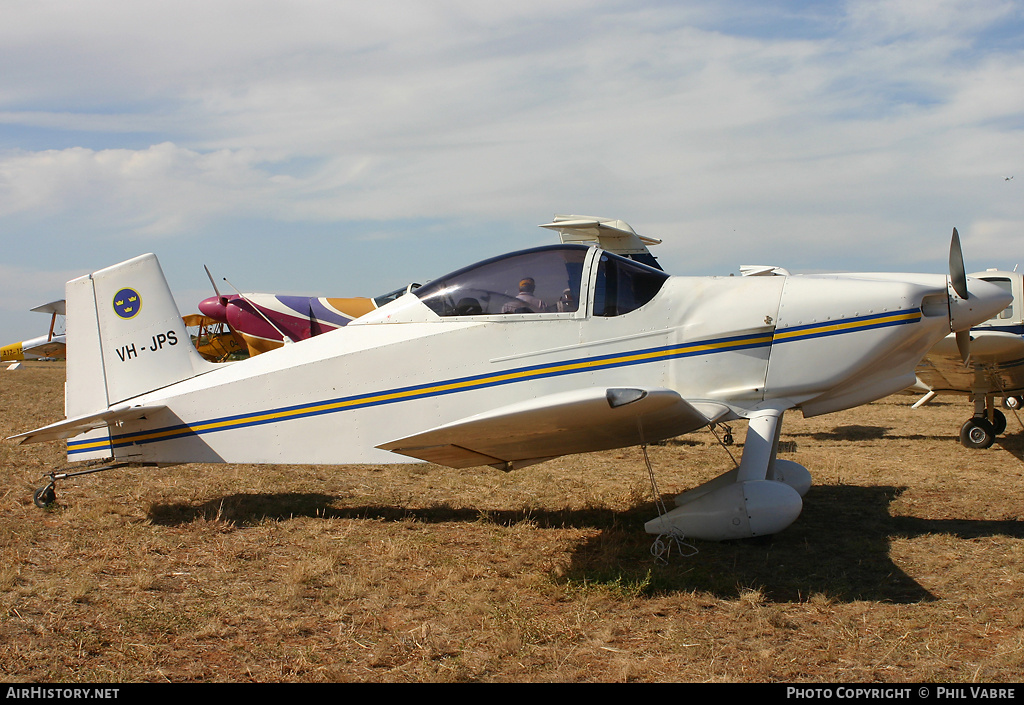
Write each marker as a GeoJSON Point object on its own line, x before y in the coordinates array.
{"type": "Point", "coordinates": [347, 148]}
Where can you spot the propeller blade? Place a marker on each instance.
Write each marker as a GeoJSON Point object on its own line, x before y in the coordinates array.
{"type": "Point", "coordinates": [963, 344]}
{"type": "Point", "coordinates": [957, 273]}
{"type": "Point", "coordinates": [958, 280]}
{"type": "Point", "coordinates": [220, 297]}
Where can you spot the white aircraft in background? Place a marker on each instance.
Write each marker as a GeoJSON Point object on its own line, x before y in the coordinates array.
{"type": "Point", "coordinates": [471, 369]}
{"type": "Point", "coordinates": [993, 369]}
{"type": "Point", "coordinates": [50, 345]}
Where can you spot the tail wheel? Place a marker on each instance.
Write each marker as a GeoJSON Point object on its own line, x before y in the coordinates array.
{"type": "Point", "coordinates": [977, 433]}
{"type": "Point", "coordinates": [1012, 402]}
{"type": "Point", "coordinates": [45, 496]}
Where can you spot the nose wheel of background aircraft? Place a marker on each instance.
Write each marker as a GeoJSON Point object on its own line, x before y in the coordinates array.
{"type": "Point", "coordinates": [977, 432]}
{"type": "Point", "coordinates": [988, 422]}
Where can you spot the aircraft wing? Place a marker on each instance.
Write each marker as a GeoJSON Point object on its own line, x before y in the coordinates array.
{"type": "Point", "coordinates": [558, 424]}
{"type": "Point", "coordinates": [52, 348]}
{"type": "Point", "coordinates": [193, 320]}
{"type": "Point", "coordinates": [58, 308]}
{"type": "Point", "coordinates": [81, 424]}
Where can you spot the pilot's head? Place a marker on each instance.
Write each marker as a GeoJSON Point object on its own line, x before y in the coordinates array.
{"type": "Point", "coordinates": [527, 284]}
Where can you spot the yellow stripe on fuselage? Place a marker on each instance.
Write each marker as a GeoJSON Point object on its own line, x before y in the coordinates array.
{"type": "Point", "coordinates": [846, 326]}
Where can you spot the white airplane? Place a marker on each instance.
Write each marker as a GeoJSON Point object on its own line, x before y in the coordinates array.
{"type": "Point", "coordinates": [994, 368]}
{"type": "Point", "coordinates": [468, 370]}
{"type": "Point", "coordinates": [50, 345]}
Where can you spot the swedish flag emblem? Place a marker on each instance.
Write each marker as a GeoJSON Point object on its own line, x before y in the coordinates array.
{"type": "Point", "coordinates": [127, 303]}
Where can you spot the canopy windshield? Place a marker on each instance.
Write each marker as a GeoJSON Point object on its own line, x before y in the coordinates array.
{"type": "Point", "coordinates": [541, 280]}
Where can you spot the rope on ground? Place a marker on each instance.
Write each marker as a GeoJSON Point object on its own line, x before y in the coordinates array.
{"type": "Point", "coordinates": [661, 548]}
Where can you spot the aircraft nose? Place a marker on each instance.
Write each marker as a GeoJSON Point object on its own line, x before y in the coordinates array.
{"type": "Point", "coordinates": [213, 308]}
{"type": "Point", "coordinates": [984, 301]}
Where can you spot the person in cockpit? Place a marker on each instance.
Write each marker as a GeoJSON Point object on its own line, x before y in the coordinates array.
{"type": "Point", "coordinates": [526, 301]}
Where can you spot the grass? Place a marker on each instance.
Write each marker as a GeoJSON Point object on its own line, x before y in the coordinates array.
{"type": "Point", "coordinates": [905, 566]}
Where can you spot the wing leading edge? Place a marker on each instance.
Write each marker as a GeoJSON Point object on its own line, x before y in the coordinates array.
{"type": "Point", "coordinates": [558, 424]}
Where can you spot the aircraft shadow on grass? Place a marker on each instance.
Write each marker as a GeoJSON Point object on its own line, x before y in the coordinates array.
{"type": "Point", "coordinates": [1014, 445]}
{"type": "Point", "coordinates": [851, 433]}
{"type": "Point", "coordinates": [840, 546]}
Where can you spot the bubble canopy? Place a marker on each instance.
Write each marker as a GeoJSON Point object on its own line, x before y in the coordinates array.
{"type": "Point", "coordinates": [545, 280]}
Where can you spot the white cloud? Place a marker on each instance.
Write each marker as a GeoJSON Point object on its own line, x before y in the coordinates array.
{"type": "Point", "coordinates": [162, 190]}
{"type": "Point", "coordinates": [888, 20]}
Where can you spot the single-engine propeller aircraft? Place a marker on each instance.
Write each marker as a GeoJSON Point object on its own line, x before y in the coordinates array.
{"type": "Point", "coordinates": [50, 345]}
{"type": "Point", "coordinates": [549, 351]}
{"type": "Point", "coordinates": [992, 369]}
{"type": "Point", "coordinates": [268, 321]}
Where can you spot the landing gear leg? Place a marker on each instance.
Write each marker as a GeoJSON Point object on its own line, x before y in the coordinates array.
{"type": "Point", "coordinates": [759, 497]}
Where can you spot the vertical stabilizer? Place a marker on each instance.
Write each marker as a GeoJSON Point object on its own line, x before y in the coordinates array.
{"type": "Point", "coordinates": [125, 337]}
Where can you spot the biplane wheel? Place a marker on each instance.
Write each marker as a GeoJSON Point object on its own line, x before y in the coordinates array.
{"type": "Point", "coordinates": [1012, 402]}
{"type": "Point", "coordinates": [977, 433]}
{"type": "Point", "coordinates": [727, 439]}
{"type": "Point", "coordinates": [45, 496]}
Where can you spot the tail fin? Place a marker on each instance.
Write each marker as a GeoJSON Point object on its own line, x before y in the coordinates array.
{"type": "Point", "coordinates": [125, 337]}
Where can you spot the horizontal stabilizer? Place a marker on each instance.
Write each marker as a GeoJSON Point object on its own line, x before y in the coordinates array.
{"type": "Point", "coordinates": [81, 424]}
{"type": "Point", "coordinates": [558, 424]}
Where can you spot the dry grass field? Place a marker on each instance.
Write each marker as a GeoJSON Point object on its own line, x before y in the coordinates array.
{"type": "Point", "coordinates": [905, 566]}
